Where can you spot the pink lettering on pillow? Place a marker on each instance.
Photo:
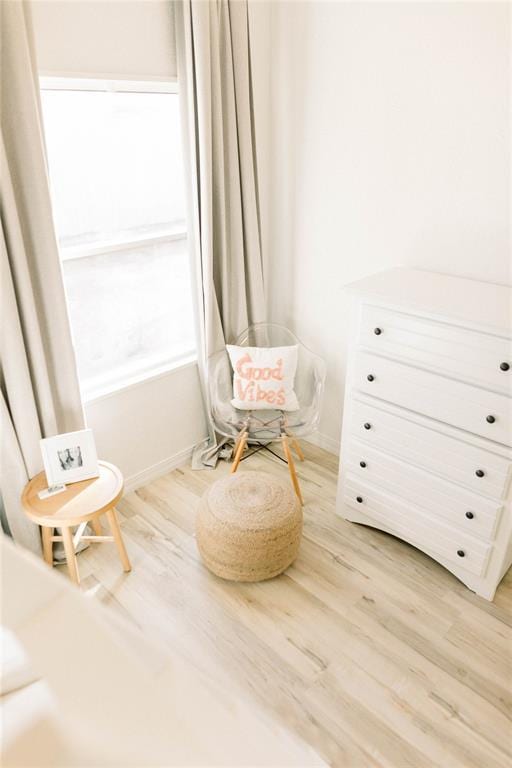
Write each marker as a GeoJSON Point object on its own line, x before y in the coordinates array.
{"type": "Point", "coordinates": [245, 371]}
{"type": "Point", "coordinates": [244, 393]}
{"type": "Point", "coordinates": [253, 393]}
{"type": "Point", "coordinates": [263, 377]}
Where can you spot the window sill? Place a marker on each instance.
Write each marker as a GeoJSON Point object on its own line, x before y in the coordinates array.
{"type": "Point", "coordinates": [101, 392]}
{"type": "Point", "coordinates": [98, 248]}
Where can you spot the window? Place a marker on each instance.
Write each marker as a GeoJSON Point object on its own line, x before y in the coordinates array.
{"type": "Point", "coordinates": [115, 164]}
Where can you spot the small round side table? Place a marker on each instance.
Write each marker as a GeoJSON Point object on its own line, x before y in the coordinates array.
{"type": "Point", "coordinates": [81, 503]}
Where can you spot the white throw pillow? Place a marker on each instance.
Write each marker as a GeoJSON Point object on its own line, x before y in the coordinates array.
{"type": "Point", "coordinates": [263, 377]}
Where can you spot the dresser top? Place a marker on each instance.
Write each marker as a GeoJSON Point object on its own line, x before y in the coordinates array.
{"type": "Point", "coordinates": [468, 302]}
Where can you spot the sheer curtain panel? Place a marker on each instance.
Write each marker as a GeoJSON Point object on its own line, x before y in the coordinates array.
{"type": "Point", "coordinates": [215, 83]}
{"type": "Point", "coordinates": [39, 392]}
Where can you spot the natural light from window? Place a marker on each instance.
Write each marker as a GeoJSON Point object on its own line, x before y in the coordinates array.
{"type": "Point", "coordinates": [116, 175]}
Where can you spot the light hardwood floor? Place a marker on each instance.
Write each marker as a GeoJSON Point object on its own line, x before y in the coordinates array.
{"type": "Point", "coordinates": [369, 650]}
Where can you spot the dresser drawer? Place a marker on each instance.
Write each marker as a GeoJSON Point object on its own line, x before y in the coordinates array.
{"type": "Point", "coordinates": [421, 445]}
{"type": "Point", "coordinates": [476, 410]}
{"type": "Point", "coordinates": [467, 355]}
{"type": "Point", "coordinates": [417, 527]}
{"type": "Point", "coordinates": [465, 510]}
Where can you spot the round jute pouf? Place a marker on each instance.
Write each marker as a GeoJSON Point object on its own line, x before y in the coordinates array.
{"type": "Point", "coordinates": [249, 526]}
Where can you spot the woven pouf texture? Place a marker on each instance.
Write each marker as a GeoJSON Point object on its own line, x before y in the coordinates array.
{"type": "Point", "coordinates": [249, 526]}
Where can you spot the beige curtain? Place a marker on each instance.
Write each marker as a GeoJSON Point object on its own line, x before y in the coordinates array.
{"type": "Point", "coordinates": [214, 74]}
{"type": "Point", "coordinates": [39, 393]}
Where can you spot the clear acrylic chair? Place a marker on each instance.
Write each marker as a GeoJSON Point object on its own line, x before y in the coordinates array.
{"type": "Point", "coordinates": [259, 428]}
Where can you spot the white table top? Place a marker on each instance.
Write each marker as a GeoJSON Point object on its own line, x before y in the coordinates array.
{"type": "Point", "coordinates": [469, 302]}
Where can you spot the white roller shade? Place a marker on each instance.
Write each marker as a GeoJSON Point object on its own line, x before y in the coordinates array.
{"type": "Point", "coordinates": [97, 38]}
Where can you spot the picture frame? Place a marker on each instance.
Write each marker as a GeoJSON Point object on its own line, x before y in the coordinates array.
{"type": "Point", "coordinates": [69, 457]}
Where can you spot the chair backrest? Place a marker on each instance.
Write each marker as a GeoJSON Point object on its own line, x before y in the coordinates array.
{"type": "Point", "coordinates": [267, 335]}
{"type": "Point", "coordinates": [308, 383]}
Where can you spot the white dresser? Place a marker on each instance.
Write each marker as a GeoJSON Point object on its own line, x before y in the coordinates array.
{"type": "Point", "coordinates": [427, 425]}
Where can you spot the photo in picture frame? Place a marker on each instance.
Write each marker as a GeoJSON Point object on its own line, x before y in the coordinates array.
{"type": "Point", "coordinates": [70, 457]}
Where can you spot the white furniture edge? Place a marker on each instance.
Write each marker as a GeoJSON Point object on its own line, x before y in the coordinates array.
{"type": "Point", "coordinates": [498, 319]}
{"type": "Point", "coordinates": [438, 297]}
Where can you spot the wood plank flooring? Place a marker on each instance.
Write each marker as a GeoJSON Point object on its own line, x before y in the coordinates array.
{"type": "Point", "coordinates": [366, 648]}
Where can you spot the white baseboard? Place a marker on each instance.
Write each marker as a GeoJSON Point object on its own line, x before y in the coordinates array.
{"type": "Point", "coordinates": [324, 441]}
{"type": "Point", "coordinates": [157, 470]}
{"type": "Point", "coordinates": [183, 457]}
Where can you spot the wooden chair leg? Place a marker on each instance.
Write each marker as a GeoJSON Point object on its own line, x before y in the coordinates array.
{"type": "Point", "coordinates": [116, 533]}
{"type": "Point", "coordinates": [239, 451]}
{"type": "Point", "coordinates": [46, 534]}
{"type": "Point", "coordinates": [237, 441]}
{"type": "Point", "coordinates": [96, 526]}
{"type": "Point", "coordinates": [297, 449]}
{"type": "Point", "coordinates": [69, 549]}
{"type": "Point", "coordinates": [291, 467]}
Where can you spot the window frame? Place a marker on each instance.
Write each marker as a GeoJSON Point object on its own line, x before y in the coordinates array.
{"type": "Point", "coordinates": [140, 375]}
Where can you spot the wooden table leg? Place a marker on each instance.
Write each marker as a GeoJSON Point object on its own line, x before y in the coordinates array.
{"type": "Point", "coordinates": [67, 538]}
{"type": "Point", "coordinates": [96, 526]}
{"type": "Point", "coordinates": [47, 534]}
{"type": "Point", "coordinates": [116, 533]}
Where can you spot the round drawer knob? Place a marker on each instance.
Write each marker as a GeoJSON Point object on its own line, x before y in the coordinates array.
{"type": "Point", "coordinates": [377, 331]}
{"type": "Point", "coordinates": [362, 464]}
{"type": "Point", "coordinates": [479, 473]}
{"type": "Point", "coordinates": [370, 377]}
{"type": "Point", "coordinates": [469, 515]}
{"type": "Point", "coordinates": [367, 425]}
{"type": "Point", "coordinates": [359, 499]}
{"type": "Point", "coordinates": [490, 419]}
{"type": "Point", "coordinates": [461, 553]}
{"type": "Point", "coordinates": [504, 366]}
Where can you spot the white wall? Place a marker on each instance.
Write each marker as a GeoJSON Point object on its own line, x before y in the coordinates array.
{"type": "Point", "coordinates": [147, 428]}
{"type": "Point", "coordinates": [390, 139]}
